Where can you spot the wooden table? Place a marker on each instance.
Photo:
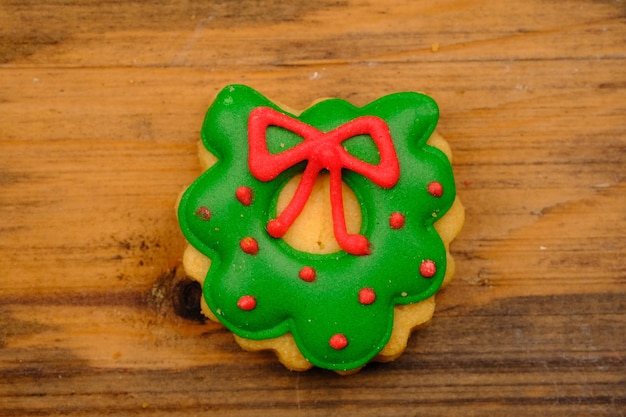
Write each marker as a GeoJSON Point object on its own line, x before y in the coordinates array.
{"type": "Point", "coordinates": [100, 109]}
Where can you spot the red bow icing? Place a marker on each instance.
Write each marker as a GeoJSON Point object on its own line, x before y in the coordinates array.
{"type": "Point", "coordinates": [322, 150]}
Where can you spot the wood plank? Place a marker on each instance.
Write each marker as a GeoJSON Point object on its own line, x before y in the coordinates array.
{"type": "Point", "coordinates": [101, 105]}
{"type": "Point", "coordinates": [520, 369]}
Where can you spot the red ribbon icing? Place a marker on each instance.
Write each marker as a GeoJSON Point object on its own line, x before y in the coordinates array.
{"type": "Point", "coordinates": [321, 150]}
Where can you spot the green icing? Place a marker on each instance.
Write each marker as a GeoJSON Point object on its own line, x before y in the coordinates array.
{"type": "Point", "coordinates": [315, 311]}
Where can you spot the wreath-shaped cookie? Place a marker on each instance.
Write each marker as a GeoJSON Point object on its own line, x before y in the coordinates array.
{"type": "Point", "coordinates": [339, 307]}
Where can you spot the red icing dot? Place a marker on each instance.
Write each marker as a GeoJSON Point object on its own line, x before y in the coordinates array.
{"type": "Point", "coordinates": [249, 245]}
{"type": "Point", "coordinates": [367, 296]}
{"type": "Point", "coordinates": [338, 341]}
{"type": "Point", "coordinates": [428, 268]}
{"type": "Point", "coordinates": [247, 303]}
{"type": "Point", "coordinates": [307, 274]}
{"type": "Point", "coordinates": [203, 213]}
{"type": "Point", "coordinates": [435, 189]}
{"type": "Point", "coordinates": [396, 220]}
{"type": "Point", "coordinates": [244, 195]}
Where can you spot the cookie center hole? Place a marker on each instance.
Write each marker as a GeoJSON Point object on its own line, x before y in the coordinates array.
{"type": "Point", "coordinates": [312, 231]}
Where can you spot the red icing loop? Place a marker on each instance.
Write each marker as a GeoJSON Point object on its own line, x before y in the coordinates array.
{"type": "Point", "coordinates": [307, 274]}
{"type": "Point", "coordinates": [435, 189]}
{"type": "Point", "coordinates": [249, 245]}
{"type": "Point", "coordinates": [203, 213]}
{"type": "Point", "coordinates": [367, 296]}
{"type": "Point", "coordinates": [428, 268]}
{"type": "Point", "coordinates": [247, 303]}
{"type": "Point", "coordinates": [396, 220]}
{"type": "Point", "coordinates": [321, 150]}
{"type": "Point", "coordinates": [338, 341]}
{"type": "Point", "coordinates": [244, 195]}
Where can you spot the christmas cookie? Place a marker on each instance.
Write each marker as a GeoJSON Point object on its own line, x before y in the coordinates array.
{"type": "Point", "coordinates": [324, 235]}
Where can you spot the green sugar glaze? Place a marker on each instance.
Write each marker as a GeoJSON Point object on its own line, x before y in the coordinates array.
{"type": "Point", "coordinates": [339, 307]}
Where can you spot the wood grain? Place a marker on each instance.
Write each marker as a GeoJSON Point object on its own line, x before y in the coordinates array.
{"type": "Point", "coordinates": [100, 109]}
